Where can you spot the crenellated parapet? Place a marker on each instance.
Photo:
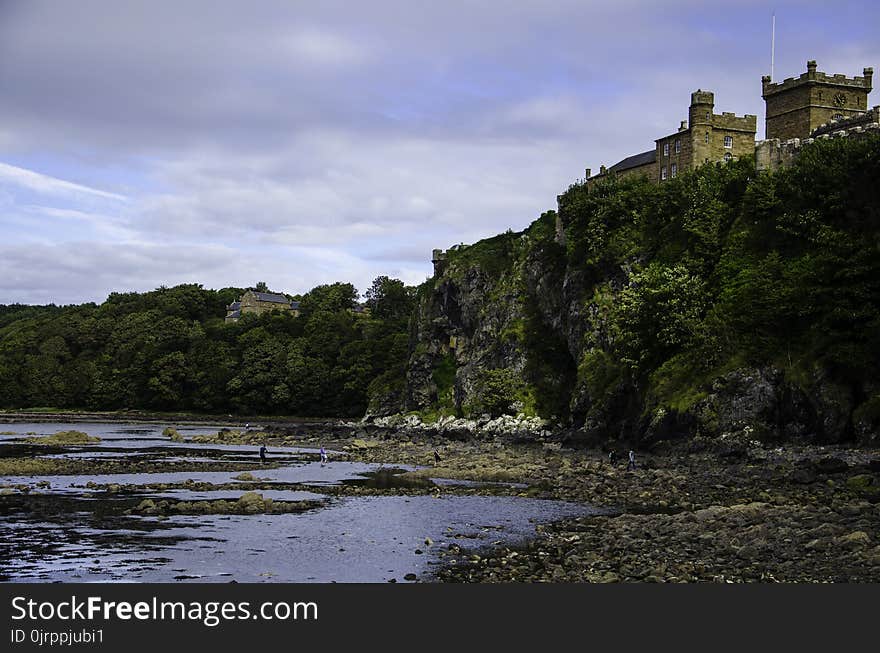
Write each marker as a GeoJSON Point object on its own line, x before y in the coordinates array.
{"type": "Point", "coordinates": [815, 76]}
{"type": "Point", "coordinates": [848, 123]}
{"type": "Point", "coordinates": [773, 154]}
{"type": "Point", "coordinates": [732, 122]}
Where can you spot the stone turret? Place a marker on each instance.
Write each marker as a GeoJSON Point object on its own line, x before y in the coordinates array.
{"type": "Point", "coordinates": [438, 258]}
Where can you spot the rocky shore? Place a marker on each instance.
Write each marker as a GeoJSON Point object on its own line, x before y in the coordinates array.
{"type": "Point", "coordinates": [722, 509]}
{"type": "Point", "coordinates": [726, 509]}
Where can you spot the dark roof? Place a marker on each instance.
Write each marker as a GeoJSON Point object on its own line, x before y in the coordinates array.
{"type": "Point", "coordinates": [270, 297]}
{"type": "Point", "coordinates": [234, 315]}
{"type": "Point", "coordinates": [635, 161]}
{"type": "Point", "coordinates": [234, 306]}
{"type": "Point", "coordinates": [294, 304]}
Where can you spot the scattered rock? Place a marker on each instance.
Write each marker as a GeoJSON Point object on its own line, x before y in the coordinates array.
{"type": "Point", "coordinates": [856, 539]}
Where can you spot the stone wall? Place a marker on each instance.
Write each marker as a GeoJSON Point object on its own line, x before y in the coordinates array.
{"type": "Point", "coordinates": [682, 160]}
{"type": "Point", "coordinates": [773, 153]}
{"type": "Point", "coordinates": [648, 170]}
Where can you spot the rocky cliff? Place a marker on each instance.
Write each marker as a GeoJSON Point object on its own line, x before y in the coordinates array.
{"type": "Point", "coordinates": [720, 302]}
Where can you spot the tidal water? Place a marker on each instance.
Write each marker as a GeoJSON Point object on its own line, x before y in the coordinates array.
{"type": "Point", "coordinates": [68, 529]}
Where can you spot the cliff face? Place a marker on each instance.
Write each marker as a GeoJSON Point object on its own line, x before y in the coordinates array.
{"type": "Point", "coordinates": [717, 303]}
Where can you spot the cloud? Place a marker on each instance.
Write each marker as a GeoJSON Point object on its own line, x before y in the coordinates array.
{"type": "Point", "coordinates": [80, 271]}
{"type": "Point", "coordinates": [303, 143]}
{"type": "Point", "coordinates": [323, 48]}
{"type": "Point", "coordinates": [45, 184]}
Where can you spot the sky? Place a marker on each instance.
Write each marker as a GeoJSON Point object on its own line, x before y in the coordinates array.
{"type": "Point", "coordinates": [298, 143]}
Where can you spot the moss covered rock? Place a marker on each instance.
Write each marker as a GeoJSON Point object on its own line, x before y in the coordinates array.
{"type": "Point", "coordinates": [65, 438]}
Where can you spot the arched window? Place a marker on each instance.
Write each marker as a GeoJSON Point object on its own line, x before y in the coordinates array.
{"type": "Point", "coordinates": [728, 156]}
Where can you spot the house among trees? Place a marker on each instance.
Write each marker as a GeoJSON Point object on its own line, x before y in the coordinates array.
{"type": "Point", "coordinates": [257, 303]}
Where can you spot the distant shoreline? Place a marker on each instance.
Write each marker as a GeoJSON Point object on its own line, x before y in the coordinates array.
{"type": "Point", "coordinates": [122, 417]}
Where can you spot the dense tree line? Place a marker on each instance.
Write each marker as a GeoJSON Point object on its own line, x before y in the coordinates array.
{"type": "Point", "coordinates": [170, 350]}
{"type": "Point", "coordinates": [730, 269]}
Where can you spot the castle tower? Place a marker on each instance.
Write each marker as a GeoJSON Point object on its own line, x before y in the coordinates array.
{"type": "Point", "coordinates": [706, 137]}
{"type": "Point", "coordinates": [797, 106]}
{"type": "Point", "coordinates": [700, 122]}
{"type": "Point", "coordinates": [702, 107]}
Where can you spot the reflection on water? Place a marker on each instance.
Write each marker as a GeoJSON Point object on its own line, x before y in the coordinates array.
{"type": "Point", "coordinates": [66, 531]}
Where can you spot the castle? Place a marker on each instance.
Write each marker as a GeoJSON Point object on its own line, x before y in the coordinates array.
{"type": "Point", "coordinates": [814, 105]}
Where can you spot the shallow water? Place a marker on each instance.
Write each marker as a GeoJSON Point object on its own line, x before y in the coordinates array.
{"type": "Point", "coordinates": [70, 533]}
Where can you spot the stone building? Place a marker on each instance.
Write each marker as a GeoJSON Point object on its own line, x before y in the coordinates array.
{"type": "Point", "coordinates": [256, 303]}
{"type": "Point", "coordinates": [796, 107]}
{"type": "Point", "coordinates": [705, 137]}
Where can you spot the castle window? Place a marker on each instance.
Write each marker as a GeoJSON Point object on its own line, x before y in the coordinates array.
{"type": "Point", "coordinates": [728, 156]}
{"type": "Point", "coordinates": [665, 149]}
{"type": "Point", "coordinates": [728, 141]}
{"type": "Point", "coordinates": [707, 137]}
{"type": "Point", "coordinates": [708, 115]}
{"type": "Point", "coordinates": [677, 146]}
{"type": "Point", "coordinates": [837, 116]}
{"type": "Point", "coordinates": [674, 169]}
{"type": "Point", "coordinates": [663, 173]}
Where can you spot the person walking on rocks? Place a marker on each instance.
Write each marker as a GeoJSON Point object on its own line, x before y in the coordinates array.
{"type": "Point", "coordinates": [323, 455]}
{"type": "Point", "coordinates": [612, 457]}
{"type": "Point", "coordinates": [263, 453]}
{"type": "Point", "coordinates": [632, 460]}
{"type": "Point", "coordinates": [436, 456]}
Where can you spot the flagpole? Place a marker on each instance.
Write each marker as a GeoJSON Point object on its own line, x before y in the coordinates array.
{"type": "Point", "coordinates": [772, 45]}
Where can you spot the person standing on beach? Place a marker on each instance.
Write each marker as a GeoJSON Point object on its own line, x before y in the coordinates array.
{"type": "Point", "coordinates": [262, 453]}
{"type": "Point", "coordinates": [632, 460]}
{"type": "Point", "coordinates": [323, 455]}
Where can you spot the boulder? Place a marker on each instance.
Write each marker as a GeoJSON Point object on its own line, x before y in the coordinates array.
{"type": "Point", "coordinates": [803, 476]}
{"type": "Point", "coordinates": [854, 540]}
{"type": "Point", "coordinates": [833, 404]}
{"type": "Point", "coordinates": [250, 503]}
{"type": "Point", "coordinates": [830, 465]}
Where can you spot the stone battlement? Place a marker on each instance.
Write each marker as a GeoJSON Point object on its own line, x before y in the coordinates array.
{"type": "Point", "coordinates": [773, 154]}
{"type": "Point", "coordinates": [728, 120]}
{"type": "Point", "coordinates": [849, 122]}
{"type": "Point", "coordinates": [818, 77]}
